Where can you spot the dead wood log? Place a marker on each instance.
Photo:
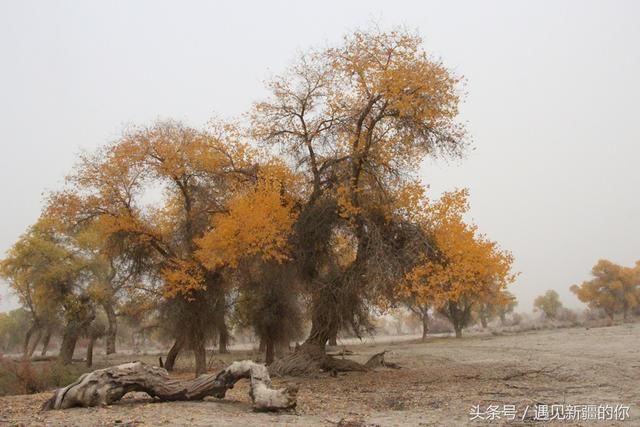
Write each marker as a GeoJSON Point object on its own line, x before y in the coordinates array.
{"type": "Point", "coordinates": [105, 386]}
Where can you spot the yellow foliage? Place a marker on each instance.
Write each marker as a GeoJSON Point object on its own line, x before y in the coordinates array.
{"type": "Point", "coordinates": [613, 289]}
{"type": "Point", "coordinates": [182, 277]}
{"type": "Point", "coordinates": [465, 264]}
{"type": "Point", "coordinates": [258, 222]}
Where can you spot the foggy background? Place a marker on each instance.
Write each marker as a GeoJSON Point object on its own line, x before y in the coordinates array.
{"type": "Point", "coordinates": [552, 104]}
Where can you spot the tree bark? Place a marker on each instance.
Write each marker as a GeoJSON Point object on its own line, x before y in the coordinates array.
{"type": "Point", "coordinates": [483, 321]}
{"type": "Point", "coordinates": [425, 326]}
{"type": "Point", "coordinates": [35, 343]}
{"type": "Point", "coordinates": [174, 352]}
{"type": "Point", "coordinates": [83, 316]}
{"type": "Point", "coordinates": [70, 337]}
{"type": "Point", "coordinates": [92, 341]}
{"type": "Point", "coordinates": [105, 386]}
{"type": "Point", "coordinates": [459, 317]}
{"type": "Point", "coordinates": [27, 338]}
{"type": "Point", "coordinates": [112, 328]}
{"type": "Point", "coordinates": [333, 340]}
{"type": "Point", "coordinates": [45, 343]}
{"type": "Point", "coordinates": [223, 339]}
{"type": "Point", "coordinates": [458, 330]}
{"type": "Point", "coordinates": [200, 353]}
{"type": "Point", "coordinates": [270, 351]}
{"type": "Point", "coordinates": [67, 347]}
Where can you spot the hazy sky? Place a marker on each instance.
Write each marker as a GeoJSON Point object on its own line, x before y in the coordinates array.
{"type": "Point", "coordinates": [553, 90]}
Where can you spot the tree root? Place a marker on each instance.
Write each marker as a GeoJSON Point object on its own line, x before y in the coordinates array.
{"type": "Point", "coordinates": [105, 386]}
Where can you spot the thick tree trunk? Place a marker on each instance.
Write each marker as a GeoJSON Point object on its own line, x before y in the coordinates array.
{"type": "Point", "coordinates": [223, 339]}
{"type": "Point", "coordinates": [220, 322]}
{"type": "Point", "coordinates": [27, 339]}
{"type": "Point", "coordinates": [459, 317]}
{"type": "Point", "coordinates": [105, 386]}
{"type": "Point", "coordinates": [112, 328]}
{"type": "Point", "coordinates": [34, 344]}
{"type": "Point", "coordinates": [262, 347]}
{"type": "Point", "coordinates": [45, 343]}
{"type": "Point", "coordinates": [458, 330]}
{"type": "Point", "coordinates": [200, 354]}
{"type": "Point", "coordinates": [270, 351]}
{"type": "Point", "coordinates": [92, 341]}
{"type": "Point", "coordinates": [333, 339]}
{"type": "Point", "coordinates": [67, 347]}
{"type": "Point", "coordinates": [310, 358]}
{"type": "Point", "coordinates": [70, 338]}
{"type": "Point", "coordinates": [174, 351]}
{"type": "Point", "coordinates": [84, 315]}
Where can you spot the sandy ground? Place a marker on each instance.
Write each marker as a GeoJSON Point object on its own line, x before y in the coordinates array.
{"type": "Point", "coordinates": [439, 384]}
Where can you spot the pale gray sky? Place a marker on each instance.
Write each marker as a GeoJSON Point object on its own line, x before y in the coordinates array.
{"type": "Point", "coordinates": [552, 106]}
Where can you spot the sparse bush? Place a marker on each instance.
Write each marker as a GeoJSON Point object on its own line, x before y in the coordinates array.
{"type": "Point", "coordinates": [592, 314]}
{"type": "Point", "coordinates": [516, 319]}
{"type": "Point", "coordinates": [26, 377]}
{"type": "Point", "coordinates": [567, 315]}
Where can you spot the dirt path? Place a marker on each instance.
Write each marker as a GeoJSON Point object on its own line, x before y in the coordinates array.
{"type": "Point", "coordinates": [439, 384]}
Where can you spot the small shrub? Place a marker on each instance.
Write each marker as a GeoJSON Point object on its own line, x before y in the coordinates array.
{"type": "Point", "coordinates": [516, 319]}
{"type": "Point", "coordinates": [566, 315]}
{"type": "Point", "coordinates": [26, 377]}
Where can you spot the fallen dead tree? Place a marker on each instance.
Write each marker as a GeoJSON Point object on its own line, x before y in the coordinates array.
{"type": "Point", "coordinates": [105, 386]}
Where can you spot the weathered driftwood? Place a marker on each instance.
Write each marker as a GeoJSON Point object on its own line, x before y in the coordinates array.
{"type": "Point", "coordinates": [105, 386]}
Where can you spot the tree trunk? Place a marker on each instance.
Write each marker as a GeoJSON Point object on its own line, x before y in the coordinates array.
{"type": "Point", "coordinates": [457, 316]}
{"type": "Point", "coordinates": [35, 343]}
{"type": "Point", "coordinates": [223, 339]}
{"type": "Point", "coordinates": [174, 352]}
{"type": "Point", "coordinates": [483, 320]}
{"type": "Point", "coordinates": [83, 317]}
{"type": "Point", "coordinates": [92, 341]}
{"type": "Point", "coordinates": [458, 330]}
{"type": "Point", "coordinates": [200, 354]}
{"type": "Point", "coordinates": [68, 346]}
{"type": "Point", "coordinates": [27, 338]}
{"type": "Point", "coordinates": [503, 319]}
{"type": "Point", "coordinates": [270, 351]}
{"type": "Point", "coordinates": [333, 340]}
{"type": "Point", "coordinates": [310, 357]}
{"type": "Point", "coordinates": [262, 347]}
{"type": "Point", "coordinates": [105, 386]}
{"type": "Point", "coordinates": [112, 328]}
{"type": "Point", "coordinates": [45, 343]}
{"type": "Point", "coordinates": [425, 326]}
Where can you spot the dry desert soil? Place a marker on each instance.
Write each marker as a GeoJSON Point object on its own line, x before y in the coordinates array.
{"type": "Point", "coordinates": [439, 383]}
